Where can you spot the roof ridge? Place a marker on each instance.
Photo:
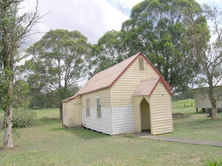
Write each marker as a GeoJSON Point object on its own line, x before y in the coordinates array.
{"type": "Point", "coordinates": [117, 64]}
{"type": "Point", "coordinates": [108, 77]}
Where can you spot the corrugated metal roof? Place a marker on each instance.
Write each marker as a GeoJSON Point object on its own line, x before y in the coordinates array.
{"type": "Point", "coordinates": [146, 86]}
{"type": "Point", "coordinates": [105, 78]}
{"type": "Point", "coordinates": [108, 77]}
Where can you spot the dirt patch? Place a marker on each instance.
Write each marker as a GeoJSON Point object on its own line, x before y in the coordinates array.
{"type": "Point", "coordinates": [15, 148]}
{"type": "Point", "coordinates": [180, 115]}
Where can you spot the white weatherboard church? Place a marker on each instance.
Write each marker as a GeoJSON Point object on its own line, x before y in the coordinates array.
{"type": "Point", "coordinates": [129, 97]}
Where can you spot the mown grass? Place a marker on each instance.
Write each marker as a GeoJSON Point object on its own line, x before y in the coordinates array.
{"type": "Point", "coordinates": [47, 113]}
{"type": "Point", "coordinates": [183, 103]}
{"type": "Point", "coordinates": [195, 126]}
{"type": "Point", "coordinates": [49, 144]}
{"type": "Point", "coordinates": [186, 106]}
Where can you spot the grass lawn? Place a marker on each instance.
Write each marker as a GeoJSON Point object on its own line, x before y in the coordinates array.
{"type": "Point", "coordinates": [197, 125]}
{"type": "Point", "coordinates": [183, 103]}
{"type": "Point", "coordinates": [49, 144]}
{"type": "Point", "coordinates": [48, 113]}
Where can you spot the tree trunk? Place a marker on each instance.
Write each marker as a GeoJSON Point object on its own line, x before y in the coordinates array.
{"type": "Point", "coordinates": [61, 112]}
{"type": "Point", "coordinates": [213, 102]}
{"type": "Point", "coordinates": [214, 110]}
{"type": "Point", "coordinates": [8, 141]}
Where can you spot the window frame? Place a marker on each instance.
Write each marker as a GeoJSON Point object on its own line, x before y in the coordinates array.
{"type": "Point", "coordinates": [88, 108]}
{"type": "Point", "coordinates": [98, 111]}
{"type": "Point", "coordinates": [141, 64]}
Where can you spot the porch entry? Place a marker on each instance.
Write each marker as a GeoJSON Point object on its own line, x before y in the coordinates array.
{"type": "Point", "coordinates": [145, 115]}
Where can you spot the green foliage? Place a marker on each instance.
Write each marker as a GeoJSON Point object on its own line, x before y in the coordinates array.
{"type": "Point", "coordinates": [107, 52]}
{"type": "Point", "coordinates": [60, 61]}
{"type": "Point", "coordinates": [157, 28]}
{"type": "Point", "coordinates": [130, 136]}
{"type": "Point", "coordinates": [21, 98]}
{"type": "Point", "coordinates": [214, 163]}
{"type": "Point", "coordinates": [187, 94]}
{"type": "Point", "coordinates": [14, 27]}
{"type": "Point", "coordinates": [16, 133]}
{"type": "Point", "coordinates": [207, 53]}
{"type": "Point", "coordinates": [23, 117]}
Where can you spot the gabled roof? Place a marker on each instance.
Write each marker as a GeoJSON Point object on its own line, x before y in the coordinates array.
{"type": "Point", "coordinates": [147, 86]}
{"type": "Point", "coordinates": [108, 77]}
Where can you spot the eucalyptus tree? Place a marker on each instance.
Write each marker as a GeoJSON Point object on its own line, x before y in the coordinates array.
{"type": "Point", "coordinates": [14, 27]}
{"type": "Point", "coordinates": [157, 28]}
{"type": "Point", "coordinates": [60, 60]}
{"type": "Point", "coordinates": [107, 52]}
{"type": "Point", "coordinates": [206, 48]}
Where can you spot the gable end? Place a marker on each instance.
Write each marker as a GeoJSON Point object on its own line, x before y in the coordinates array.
{"type": "Point", "coordinates": [167, 86]}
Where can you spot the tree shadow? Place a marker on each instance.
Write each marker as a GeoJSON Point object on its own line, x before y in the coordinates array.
{"type": "Point", "coordinates": [82, 133]}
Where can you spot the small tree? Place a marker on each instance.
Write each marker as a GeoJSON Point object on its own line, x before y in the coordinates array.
{"type": "Point", "coordinates": [207, 54]}
{"type": "Point", "coordinates": [13, 29]}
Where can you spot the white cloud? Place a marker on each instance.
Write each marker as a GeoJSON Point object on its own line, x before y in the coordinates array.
{"type": "Point", "coordinates": [91, 17]}
{"type": "Point", "coordinates": [211, 2]}
{"type": "Point", "coordinates": [129, 3]}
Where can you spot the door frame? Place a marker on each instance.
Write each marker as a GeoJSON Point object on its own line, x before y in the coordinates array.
{"type": "Point", "coordinates": [149, 110]}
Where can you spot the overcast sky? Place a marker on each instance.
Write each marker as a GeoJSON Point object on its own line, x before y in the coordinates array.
{"type": "Point", "coordinates": [91, 17]}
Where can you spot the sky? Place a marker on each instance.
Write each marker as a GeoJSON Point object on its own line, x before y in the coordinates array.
{"type": "Point", "coordinates": [93, 18]}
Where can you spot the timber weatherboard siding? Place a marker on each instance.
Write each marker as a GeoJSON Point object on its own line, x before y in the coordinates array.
{"type": "Point", "coordinates": [120, 105]}
{"type": "Point", "coordinates": [202, 100]}
{"type": "Point", "coordinates": [122, 120]}
{"type": "Point", "coordinates": [123, 89]}
{"type": "Point", "coordinates": [137, 112]}
{"type": "Point", "coordinates": [105, 98]}
{"type": "Point", "coordinates": [103, 124]}
{"type": "Point", "coordinates": [72, 113]}
{"type": "Point", "coordinates": [161, 114]}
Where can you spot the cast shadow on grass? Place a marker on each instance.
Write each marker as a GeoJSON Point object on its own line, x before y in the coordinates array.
{"type": "Point", "coordinates": [82, 133]}
{"type": "Point", "coordinates": [47, 120]}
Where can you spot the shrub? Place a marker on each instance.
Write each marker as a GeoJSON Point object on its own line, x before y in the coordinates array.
{"type": "Point", "coordinates": [214, 163]}
{"type": "Point", "coordinates": [23, 117]}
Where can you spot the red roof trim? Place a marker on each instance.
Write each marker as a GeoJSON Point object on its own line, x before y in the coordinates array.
{"type": "Point", "coordinates": [141, 54]}
{"type": "Point", "coordinates": [72, 98]}
{"type": "Point", "coordinates": [161, 79]}
{"type": "Point", "coordinates": [163, 83]}
{"type": "Point", "coordinates": [158, 73]}
{"type": "Point", "coordinates": [154, 87]}
{"type": "Point", "coordinates": [165, 86]}
{"type": "Point", "coordinates": [125, 69]}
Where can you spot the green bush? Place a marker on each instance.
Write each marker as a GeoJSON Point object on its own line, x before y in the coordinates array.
{"type": "Point", "coordinates": [23, 117]}
{"type": "Point", "coordinates": [214, 163]}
